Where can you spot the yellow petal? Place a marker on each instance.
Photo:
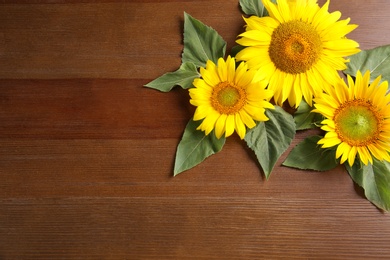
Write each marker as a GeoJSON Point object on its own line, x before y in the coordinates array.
{"type": "Point", "coordinates": [231, 69]}
{"type": "Point", "coordinates": [331, 135]}
{"type": "Point", "coordinates": [273, 10]}
{"type": "Point", "coordinates": [337, 63]}
{"type": "Point", "coordinates": [338, 30]}
{"type": "Point", "coordinates": [329, 101]}
{"type": "Point", "coordinates": [275, 84]}
{"type": "Point", "coordinates": [352, 155]}
{"type": "Point", "coordinates": [341, 149]}
{"type": "Point", "coordinates": [364, 155]}
{"type": "Point", "coordinates": [325, 110]}
{"type": "Point", "coordinates": [379, 151]}
{"type": "Point", "coordinates": [251, 110]}
{"type": "Point", "coordinates": [321, 15]}
{"type": "Point", "coordinates": [327, 72]}
{"type": "Point", "coordinates": [261, 116]}
{"type": "Point", "coordinates": [256, 36]}
{"type": "Point", "coordinates": [329, 142]}
{"type": "Point", "coordinates": [202, 112]}
{"type": "Point", "coordinates": [295, 97]}
{"type": "Point", "coordinates": [341, 92]}
{"type": "Point", "coordinates": [347, 45]}
{"type": "Point", "coordinates": [284, 10]}
{"type": "Point", "coordinates": [220, 126]}
{"type": "Point", "coordinates": [329, 123]}
{"type": "Point", "coordinates": [209, 122]}
{"type": "Point", "coordinates": [244, 79]}
{"type": "Point", "coordinates": [266, 23]}
{"type": "Point", "coordinates": [246, 119]}
{"type": "Point", "coordinates": [287, 86]}
{"type": "Point", "coordinates": [328, 21]}
{"type": "Point", "coordinates": [380, 93]}
{"type": "Point", "coordinates": [200, 102]}
{"type": "Point", "coordinates": [346, 150]}
{"type": "Point", "coordinates": [239, 126]}
{"type": "Point", "coordinates": [201, 84]}
{"type": "Point", "coordinates": [259, 52]}
{"type": "Point", "coordinates": [222, 71]}
{"type": "Point", "coordinates": [230, 125]}
{"type": "Point", "coordinates": [211, 78]}
{"type": "Point", "coordinates": [305, 87]}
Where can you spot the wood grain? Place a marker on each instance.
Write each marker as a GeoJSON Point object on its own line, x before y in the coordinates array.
{"type": "Point", "coordinates": [87, 153]}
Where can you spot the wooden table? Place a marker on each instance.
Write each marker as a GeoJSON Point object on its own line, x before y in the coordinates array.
{"type": "Point", "coordinates": [86, 153]}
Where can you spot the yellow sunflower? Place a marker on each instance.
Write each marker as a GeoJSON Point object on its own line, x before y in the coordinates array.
{"type": "Point", "coordinates": [227, 99]}
{"type": "Point", "coordinates": [357, 119]}
{"type": "Point", "coordinates": [297, 49]}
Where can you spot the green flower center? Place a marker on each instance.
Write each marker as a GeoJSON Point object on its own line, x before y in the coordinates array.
{"type": "Point", "coordinates": [227, 98]}
{"type": "Point", "coordinates": [358, 123]}
{"type": "Point", "coordinates": [295, 46]}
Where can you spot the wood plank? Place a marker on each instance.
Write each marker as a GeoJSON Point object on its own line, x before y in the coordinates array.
{"type": "Point", "coordinates": [90, 108]}
{"type": "Point", "coordinates": [87, 153]}
{"type": "Point", "coordinates": [113, 40]}
{"type": "Point", "coordinates": [130, 39]}
{"type": "Point", "coordinates": [135, 167]}
{"type": "Point", "coordinates": [190, 228]}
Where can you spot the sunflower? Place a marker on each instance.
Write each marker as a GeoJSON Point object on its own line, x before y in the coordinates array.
{"type": "Point", "coordinates": [297, 49]}
{"type": "Point", "coordinates": [227, 99]}
{"type": "Point", "coordinates": [357, 119]}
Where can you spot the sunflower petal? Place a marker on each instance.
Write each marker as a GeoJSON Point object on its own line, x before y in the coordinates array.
{"type": "Point", "coordinates": [220, 126]}
{"type": "Point", "coordinates": [239, 126]}
{"type": "Point", "coordinates": [230, 125]}
{"type": "Point", "coordinates": [352, 155]}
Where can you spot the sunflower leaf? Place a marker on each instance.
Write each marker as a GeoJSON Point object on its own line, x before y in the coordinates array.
{"type": "Point", "coordinates": [201, 42]}
{"type": "Point", "coordinates": [270, 139]}
{"type": "Point", "coordinates": [254, 7]}
{"type": "Point", "coordinates": [374, 179]}
{"type": "Point", "coordinates": [308, 155]}
{"type": "Point", "coordinates": [305, 118]}
{"type": "Point", "coordinates": [183, 77]}
{"type": "Point", "coordinates": [376, 60]}
{"type": "Point", "coordinates": [194, 147]}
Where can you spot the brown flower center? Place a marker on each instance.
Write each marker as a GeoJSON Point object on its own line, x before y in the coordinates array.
{"type": "Point", "coordinates": [228, 98]}
{"type": "Point", "coordinates": [358, 122]}
{"type": "Point", "coordinates": [295, 47]}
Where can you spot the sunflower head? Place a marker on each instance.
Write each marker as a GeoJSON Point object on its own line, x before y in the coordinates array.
{"type": "Point", "coordinates": [227, 99]}
{"type": "Point", "coordinates": [297, 49]}
{"type": "Point", "coordinates": [357, 119]}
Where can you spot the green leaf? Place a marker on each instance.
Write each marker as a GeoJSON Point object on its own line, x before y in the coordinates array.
{"type": "Point", "coordinates": [201, 43]}
{"type": "Point", "coordinates": [270, 139]}
{"type": "Point", "coordinates": [376, 60]}
{"type": "Point", "coordinates": [305, 119]}
{"type": "Point", "coordinates": [195, 146]}
{"type": "Point", "coordinates": [183, 77]}
{"type": "Point", "coordinates": [374, 179]}
{"type": "Point", "coordinates": [308, 155]}
{"type": "Point", "coordinates": [254, 7]}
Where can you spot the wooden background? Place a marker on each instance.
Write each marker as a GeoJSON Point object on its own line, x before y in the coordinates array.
{"type": "Point", "coordinates": [86, 153]}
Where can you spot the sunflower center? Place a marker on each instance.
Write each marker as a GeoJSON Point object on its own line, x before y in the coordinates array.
{"type": "Point", "coordinates": [227, 98]}
{"type": "Point", "coordinates": [357, 122]}
{"type": "Point", "coordinates": [295, 46]}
